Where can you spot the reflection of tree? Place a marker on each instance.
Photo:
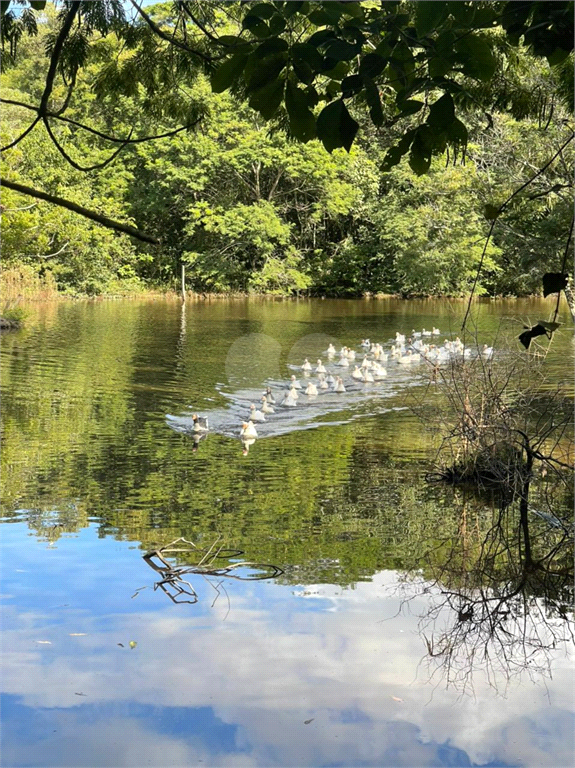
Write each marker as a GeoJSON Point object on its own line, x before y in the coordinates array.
{"type": "Point", "coordinates": [495, 604]}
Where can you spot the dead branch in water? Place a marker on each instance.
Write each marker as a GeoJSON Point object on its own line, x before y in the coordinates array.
{"type": "Point", "coordinates": [175, 586]}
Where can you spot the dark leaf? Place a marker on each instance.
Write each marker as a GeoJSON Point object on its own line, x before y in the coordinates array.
{"type": "Point", "coordinates": [336, 127]}
{"type": "Point", "coordinates": [442, 112]}
{"type": "Point", "coordinates": [477, 57]}
{"type": "Point", "coordinates": [351, 85]}
{"type": "Point", "coordinates": [302, 120]}
{"type": "Point", "coordinates": [374, 102]}
{"type": "Point", "coordinates": [409, 107]}
{"type": "Point", "coordinates": [490, 212]}
{"type": "Point", "coordinates": [372, 65]}
{"type": "Point", "coordinates": [38, 5]}
{"type": "Point", "coordinates": [268, 70]}
{"type": "Point", "coordinates": [290, 8]}
{"type": "Point", "coordinates": [551, 327]}
{"type": "Point", "coordinates": [266, 100]}
{"type": "Point", "coordinates": [262, 10]}
{"type": "Point", "coordinates": [308, 53]}
{"type": "Point", "coordinates": [526, 337]}
{"type": "Point", "coordinates": [340, 50]}
{"type": "Point", "coordinates": [429, 15]}
{"type": "Point", "coordinates": [277, 24]}
{"type": "Point", "coordinates": [227, 72]}
{"type": "Point", "coordinates": [553, 282]}
{"type": "Point", "coordinates": [270, 46]}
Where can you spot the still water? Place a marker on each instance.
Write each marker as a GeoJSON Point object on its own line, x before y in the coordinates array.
{"type": "Point", "coordinates": [351, 656]}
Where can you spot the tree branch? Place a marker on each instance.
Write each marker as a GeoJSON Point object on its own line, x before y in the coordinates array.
{"type": "Point", "coordinates": [86, 212]}
{"type": "Point", "coordinates": [172, 40]}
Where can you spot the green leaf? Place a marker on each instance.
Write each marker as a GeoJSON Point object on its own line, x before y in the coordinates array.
{"type": "Point", "coordinates": [490, 212]}
{"type": "Point", "coordinates": [302, 120]}
{"type": "Point", "coordinates": [266, 100]}
{"type": "Point", "coordinates": [38, 5]}
{"type": "Point", "coordinates": [336, 127]}
{"type": "Point", "coordinates": [457, 132]}
{"type": "Point", "coordinates": [227, 72]}
{"type": "Point", "coordinates": [429, 15]}
{"type": "Point", "coordinates": [553, 282]}
{"type": "Point", "coordinates": [442, 112]}
{"type": "Point", "coordinates": [4, 5]}
{"type": "Point", "coordinates": [477, 57]}
{"type": "Point", "coordinates": [439, 66]}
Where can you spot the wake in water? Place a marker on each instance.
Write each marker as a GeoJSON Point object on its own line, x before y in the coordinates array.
{"type": "Point", "coordinates": [394, 368]}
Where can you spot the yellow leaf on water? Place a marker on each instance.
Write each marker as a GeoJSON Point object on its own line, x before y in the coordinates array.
{"type": "Point", "coordinates": [133, 643]}
{"type": "Point", "coordinates": [395, 698]}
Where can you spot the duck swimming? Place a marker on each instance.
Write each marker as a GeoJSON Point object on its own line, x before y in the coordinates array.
{"type": "Point", "coordinates": [295, 383]}
{"type": "Point", "coordinates": [288, 400]}
{"type": "Point", "coordinates": [323, 382]}
{"type": "Point", "coordinates": [200, 424]}
{"type": "Point", "coordinates": [306, 365]}
{"type": "Point", "coordinates": [269, 397]}
{"type": "Point", "coordinates": [339, 385]}
{"type": "Point", "coordinates": [357, 374]}
{"type": "Point", "coordinates": [266, 408]}
{"type": "Point", "coordinates": [320, 367]}
{"type": "Point", "coordinates": [248, 430]}
{"type": "Point", "coordinates": [256, 415]}
{"type": "Point", "coordinates": [311, 389]}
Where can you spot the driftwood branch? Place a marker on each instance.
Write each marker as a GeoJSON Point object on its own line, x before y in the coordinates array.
{"type": "Point", "coordinates": [105, 221]}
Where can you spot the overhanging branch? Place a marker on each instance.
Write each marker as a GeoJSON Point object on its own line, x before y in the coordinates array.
{"type": "Point", "coordinates": [86, 212]}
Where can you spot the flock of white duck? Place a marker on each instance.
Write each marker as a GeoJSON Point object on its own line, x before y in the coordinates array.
{"type": "Point", "coordinates": [415, 349]}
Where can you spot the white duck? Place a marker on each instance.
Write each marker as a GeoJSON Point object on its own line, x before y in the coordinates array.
{"type": "Point", "coordinates": [320, 367]}
{"type": "Point", "coordinates": [343, 362]}
{"type": "Point", "coordinates": [435, 331]}
{"type": "Point", "coordinates": [357, 374]}
{"type": "Point", "coordinates": [256, 415]}
{"type": "Point", "coordinates": [295, 383]}
{"type": "Point", "coordinates": [288, 400]}
{"type": "Point", "coordinates": [294, 393]}
{"type": "Point", "coordinates": [311, 389]}
{"type": "Point", "coordinates": [266, 408]}
{"type": "Point", "coordinates": [269, 397]}
{"type": "Point", "coordinates": [367, 377]}
{"type": "Point", "coordinates": [248, 430]}
{"type": "Point", "coordinates": [331, 351]}
{"type": "Point", "coordinates": [323, 383]}
{"type": "Point", "coordinates": [487, 351]}
{"type": "Point", "coordinates": [339, 385]}
{"type": "Point", "coordinates": [306, 365]}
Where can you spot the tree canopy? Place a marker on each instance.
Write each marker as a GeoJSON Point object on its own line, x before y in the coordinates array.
{"type": "Point", "coordinates": [204, 127]}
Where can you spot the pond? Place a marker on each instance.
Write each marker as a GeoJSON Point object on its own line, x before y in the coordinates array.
{"type": "Point", "coordinates": [350, 653]}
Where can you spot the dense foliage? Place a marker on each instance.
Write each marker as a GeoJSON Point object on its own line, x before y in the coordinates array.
{"type": "Point", "coordinates": [246, 198]}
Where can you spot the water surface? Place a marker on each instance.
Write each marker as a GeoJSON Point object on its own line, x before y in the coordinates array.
{"type": "Point", "coordinates": [326, 665]}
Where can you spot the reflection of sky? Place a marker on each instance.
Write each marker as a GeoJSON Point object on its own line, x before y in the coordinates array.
{"type": "Point", "coordinates": [212, 688]}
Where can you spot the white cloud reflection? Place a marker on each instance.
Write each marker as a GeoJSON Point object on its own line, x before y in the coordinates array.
{"type": "Point", "coordinates": [275, 662]}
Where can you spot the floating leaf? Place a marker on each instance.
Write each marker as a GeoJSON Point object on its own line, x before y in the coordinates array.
{"type": "Point", "coordinates": [44, 642]}
{"type": "Point", "coordinates": [396, 698]}
{"type": "Point", "coordinates": [77, 634]}
{"type": "Point", "coordinates": [553, 282]}
{"type": "Point", "coordinates": [133, 644]}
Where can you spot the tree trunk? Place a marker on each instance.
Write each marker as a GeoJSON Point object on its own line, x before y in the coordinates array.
{"type": "Point", "coordinates": [183, 282]}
